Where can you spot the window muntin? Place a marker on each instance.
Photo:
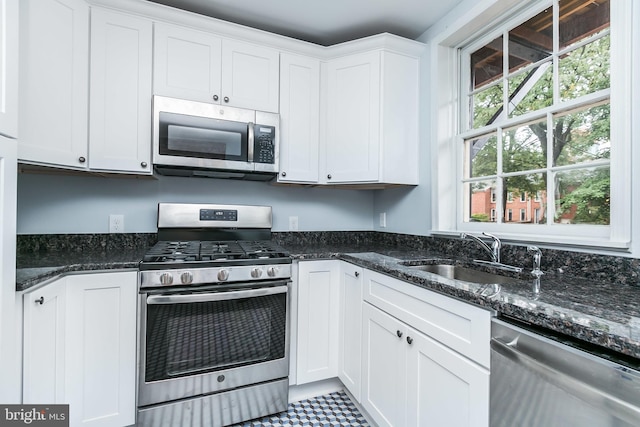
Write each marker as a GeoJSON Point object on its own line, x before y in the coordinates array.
{"type": "Point", "coordinates": [546, 81]}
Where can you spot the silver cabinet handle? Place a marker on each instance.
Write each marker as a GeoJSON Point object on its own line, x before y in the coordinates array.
{"type": "Point", "coordinates": [40, 301]}
{"type": "Point", "coordinates": [409, 340]}
{"type": "Point", "coordinates": [357, 274]}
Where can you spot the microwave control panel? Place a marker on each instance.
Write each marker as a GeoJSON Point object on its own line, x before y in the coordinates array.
{"type": "Point", "coordinates": [264, 146]}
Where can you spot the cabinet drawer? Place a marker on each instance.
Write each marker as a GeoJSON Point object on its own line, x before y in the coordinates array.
{"type": "Point", "coordinates": [458, 325]}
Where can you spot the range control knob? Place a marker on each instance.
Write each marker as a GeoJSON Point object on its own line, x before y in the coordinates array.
{"type": "Point", "coordinates": [186, 277]}
{"type": "Point", "coordinates": [223, 274]}
{"type": "Point", "coordinates": [166, 278]}
{"type": "Point", "coordinates": [256, 273]}
{"type": "Point", "coordinates": [272, 271]}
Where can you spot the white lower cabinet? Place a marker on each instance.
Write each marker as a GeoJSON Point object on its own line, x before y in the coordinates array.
{"type": "Point", "coordinates": [409, 356]}
{"type": "Point", "coordinates": [80, 347]}
{"type": "Point", "coordinates": [350, 332]}
{"type": "Point", "coordinates": [408, 377]}
{"type": "Point", "coordinates": [317, 335]}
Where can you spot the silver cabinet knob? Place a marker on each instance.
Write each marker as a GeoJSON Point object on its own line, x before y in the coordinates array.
{"type": "Point", "coordinates": [284, 174]}
{"type": "Point", "coordinates": [186, 277]}
{"type": "Point", "coordinates": [82, 159]}
{"type": "Point", "coordinates": [226, 99]}
{"type": "Point", "coordinates": [166, 278]}
{"type": "Point", "coordinates": [223, 274]}
{"type": "Point", "coordinates": [329, 176]}
{"type": "Point", "coordinates": [143, 164]}
{"type": "Point", "coordinates": [215, 97]}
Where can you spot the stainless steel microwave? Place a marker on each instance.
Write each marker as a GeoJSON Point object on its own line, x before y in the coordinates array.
{"type": "Point", "coordinates": [198, 139]}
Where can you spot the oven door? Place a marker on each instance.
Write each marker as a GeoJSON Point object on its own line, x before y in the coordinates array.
{"type": "Point", "coordinates": [203, 342]}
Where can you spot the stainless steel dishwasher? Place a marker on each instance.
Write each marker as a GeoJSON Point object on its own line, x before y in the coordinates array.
{"type": "Point", "coordinates": [542, 380]}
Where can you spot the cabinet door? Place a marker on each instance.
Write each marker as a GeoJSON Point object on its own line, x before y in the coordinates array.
{"type": "Point", "coordinates": [384, 367]}
{"type": "Point", "coordinates": [350, 345]}
{"type": "Point", "coordinates": [250, 76]}
{"type": "Point", "coordinates": [9, 68]}
{"type": "Point", "coordinates": [443, 387]}
{"type": "Point", "coordinates": [9, 339]}
{"type": "Point", "coordinates": [101, 348]}
{"type": "Point", "coordinates": [353, 135]}
{"type": "Point", "coordinates": [186, 63]}
{"type": "Point", "coordinates": [318, 296]}
{"type": "Point", "coordinates": [299, 118]}
{"type": "Point", "coordinates": [54, 86]}
{"type": "Point", "coordinates": [120, 96]}
{"type": "Point", "coordinates": [44, 344]}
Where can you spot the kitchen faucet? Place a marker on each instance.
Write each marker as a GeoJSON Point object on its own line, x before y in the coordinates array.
{"type": "Point", "coordinates": [494, 249]}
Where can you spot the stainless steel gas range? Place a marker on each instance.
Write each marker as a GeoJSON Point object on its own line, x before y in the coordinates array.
{"type": "Point", "coordinates": [213, 318]}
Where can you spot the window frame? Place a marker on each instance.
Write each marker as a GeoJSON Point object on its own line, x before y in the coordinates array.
{"type": "Point", "coordinates": [449, 104]}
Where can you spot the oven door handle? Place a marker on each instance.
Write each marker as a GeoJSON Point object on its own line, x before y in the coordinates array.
{"type": "Point", "coordinates": [214, 296]}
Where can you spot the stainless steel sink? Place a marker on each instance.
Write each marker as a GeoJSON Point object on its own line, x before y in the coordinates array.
{"type": "Point", "coordinates": [462, 273]}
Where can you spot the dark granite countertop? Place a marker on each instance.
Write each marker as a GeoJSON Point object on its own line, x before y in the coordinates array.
{"type": "Point", "coordinates": [33, 269]}
{"type": "Point", "coordinates": [605, 314]}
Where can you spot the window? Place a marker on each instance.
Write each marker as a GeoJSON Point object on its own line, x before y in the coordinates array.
{"type": "Point", "coordinates": [493, 215]}
{"type": "Point", "coordinates": [523, 215]}
{"type": "Point", "coordinates": [536, 118]}
{"type": "Point", "coordinates": [509, 215]}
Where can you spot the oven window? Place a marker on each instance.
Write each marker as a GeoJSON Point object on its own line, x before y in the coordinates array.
{"type": "Point", "coordinates": [191, 338]}
{"type": "Point", "coordinates": [202, 137]}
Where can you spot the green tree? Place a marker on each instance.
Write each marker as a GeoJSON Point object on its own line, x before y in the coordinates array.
{"type": "Point", "coordinates": [578, 137]}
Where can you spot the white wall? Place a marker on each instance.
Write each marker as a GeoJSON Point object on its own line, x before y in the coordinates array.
{"type": "Point", "coordinates": [52, 204]}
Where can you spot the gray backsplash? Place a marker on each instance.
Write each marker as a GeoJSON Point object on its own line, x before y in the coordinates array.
{"type": "Point", "coordinates": [608, 268]}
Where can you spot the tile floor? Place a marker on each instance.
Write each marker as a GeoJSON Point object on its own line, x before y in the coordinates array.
{"type": "Point", "coordinates": [335, 409]}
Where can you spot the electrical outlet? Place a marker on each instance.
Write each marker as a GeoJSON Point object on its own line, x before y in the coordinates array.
{"type": "Point", "coordinates": [293, 223]}
{"type": "Point", "coordinates": [116, 223]}
{"type": "Point", "coordinates": [383, 219]}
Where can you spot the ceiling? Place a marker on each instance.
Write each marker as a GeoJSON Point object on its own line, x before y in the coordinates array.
{"type": "Point", "coordinates": [325, 22]}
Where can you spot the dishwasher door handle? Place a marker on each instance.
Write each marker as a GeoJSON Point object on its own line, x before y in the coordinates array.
{"type": "Point", "coordinates": [568, 383]}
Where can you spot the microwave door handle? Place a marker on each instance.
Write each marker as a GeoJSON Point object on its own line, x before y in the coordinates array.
{"type": "Point", "coordinates": [251, 139]}
{"type": "Point", "coordinates": [214, 296]}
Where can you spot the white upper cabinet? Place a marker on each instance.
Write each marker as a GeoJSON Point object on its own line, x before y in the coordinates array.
{"type": "Point", "coordinates": [200, 66]}
{"type": "Point", "coordinates": [372, 119]}
{"type": "Point", "coordinates": [353, 140]}
{"type": "Point", "coordinates": [250, 75]}
{"type": "Point", "coordinates": [186, 63]}
{"type": "Point", "coordinates": [54, 82]}
{"type": "Point", "coordinates": [120, 93]}
{"type": "Point", "coordinates": [299, 118]}
{"type": "Point", "coordinates": [9, 68]}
